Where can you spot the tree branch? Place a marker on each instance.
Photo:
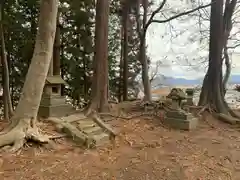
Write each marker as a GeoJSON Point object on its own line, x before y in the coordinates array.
{"type": "Point", "coordinates": [181, 14]}
{"type": "Point", "coordinates": [153, 14]}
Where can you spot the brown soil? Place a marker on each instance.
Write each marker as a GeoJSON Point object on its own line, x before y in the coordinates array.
{"type": "Point", "coordinates": [145, 150]}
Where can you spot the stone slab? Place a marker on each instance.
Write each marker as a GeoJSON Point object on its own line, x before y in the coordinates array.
{"type": "Point", "coordinates": [86, 124]}
{"type": "Point", "coordinates": [92, 130]}
{"type": "Point", "coordinates": [74, 117]}
{"type": "Point", "coordinates": [101, 138]}
{"type": "Point", "coordinates": [178, 115]}
{"type": "Point", "coordinates": [55, 111]}
{"type": "Point", "coordinates": [52, 100]}
{"type": "Point", "coordinates": [181, 124]}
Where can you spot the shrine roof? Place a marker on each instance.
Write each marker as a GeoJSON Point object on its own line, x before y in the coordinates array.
{"type": "Point", "coordinates": [55, 80]}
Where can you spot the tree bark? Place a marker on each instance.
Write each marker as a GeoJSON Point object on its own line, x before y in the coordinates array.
{"type": "Point", "coordinates": [228, 70]}
{"type": "Point", "coordinates": [121, 64]}
{"type": "Point", "coordinates": [142, 30]}
{"type": "Point", "coordinates": [125, 52]}
{"type": "Point", "coordinates": [99, 101]}
{"type": "Point", "coordinates": [8, 109]}
{"type": "Point", "coordinates": [212, 85]}
{"type": "Point", "coordinates": [27, 109]}
{"type": "Point", "coordinates": [212, 94]}
{"type": "Point", "coordinates": [56, 50]}
{"type": "Point", "coordinates": [143, 58]}
{"type": "Point", "coordinates": [227, 27]}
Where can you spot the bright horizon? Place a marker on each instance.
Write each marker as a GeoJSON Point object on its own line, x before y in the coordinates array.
{"type": "Point", "coordinates": [182, 57]}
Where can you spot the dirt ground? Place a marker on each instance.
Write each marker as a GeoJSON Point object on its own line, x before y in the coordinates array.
{"type": "Point", "coordinates": [145, 150]}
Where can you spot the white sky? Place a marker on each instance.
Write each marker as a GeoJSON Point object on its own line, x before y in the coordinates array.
{"type": "Point", "coordinates": [182, 56]}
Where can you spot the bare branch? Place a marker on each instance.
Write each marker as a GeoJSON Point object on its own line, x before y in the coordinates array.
{"type": "Point", "coordinates": [153, 14]}
{"type": "Point", "coordinates": [181, 14]}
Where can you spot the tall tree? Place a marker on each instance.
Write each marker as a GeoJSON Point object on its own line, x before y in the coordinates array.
{"type": "Point", "coordinates": [125, 22]}
{"type": "Point", "coordinates": [56, 50]}
{"type": "Point", "coordinates": [8, 109]}
{"type": "Point", "coordinates": [99, 101]}
{"type": "Point", "coordinates": [227, 27]}
{"type": "Point", "coordinates": [25, 116]}
{"type": "Point", "coordinates": [142, 48]}
{"type": "Point", "coordinates": [212, 94]}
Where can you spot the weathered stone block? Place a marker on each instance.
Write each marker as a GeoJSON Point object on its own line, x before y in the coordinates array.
{"type": "Point", "coordinates": [54, 106]}
{"type": "Point", "coordinates": [177, 123]}
{"type": "Point", "coordinates": [177, 114]}
{"type": "Point", "coordinates": [55, 111]}
{"type": "Point", "coordinates": [52, 100]}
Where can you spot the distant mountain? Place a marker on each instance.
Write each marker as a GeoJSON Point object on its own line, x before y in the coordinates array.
{"type": "Point", "coordinates": [171, 81]}
{"type": "Point", "coordinates": [182, 81]}
{"type": "Point", "coordinates": [234, 79]}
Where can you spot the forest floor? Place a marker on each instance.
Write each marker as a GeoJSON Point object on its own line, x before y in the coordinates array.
{"type": "Point", "coordinates": [145, 150]}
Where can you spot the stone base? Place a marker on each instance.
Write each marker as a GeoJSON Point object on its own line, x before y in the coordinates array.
{"type": "Point", "coordinates": [183, 121]}
{"type": "Point", "coordinates": [54, 106]}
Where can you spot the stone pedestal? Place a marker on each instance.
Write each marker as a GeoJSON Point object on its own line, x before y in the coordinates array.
{"type": "Point", "coordinates": [54, 106]}
{"type": "Point", "coordinates": [179, 119]}
{"type": "Point", "coordinates": [189, 98]}
{"type": "Point", "coordinates": [52, 103]}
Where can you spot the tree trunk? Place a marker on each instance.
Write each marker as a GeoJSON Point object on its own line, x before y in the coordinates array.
{"type": "Point", "coordinates": [8, 109]}
{"type": "Point", "coordinates": [5, 103]}
{"type": "Point", "coordinates": [99, 101]}
{"type": "Point", "coordinates": [212, 94]}
{"type": "Point", "coordinates": [142, 49]}
{"type": "Point", "coordinates": [212, 84]}
{"type": "Point", "coordinates": [125, 52]}
{"type": "Point", "coordinates": [143, 58]}
{"type": "Point", "coordinates": [145, 77]}
{"type": "Point", "coordinates": [26, 112]}
{"type": "Point", "coordinates": [62, 68]}
{"type": "Point", "coordinates": [56, 50]}
{"type": "Point", "coordinates": [227, 27]}
{"type": "Point", "coordinates": [120, 87]}
{"type": "Point", "coordinates": [228, 70]}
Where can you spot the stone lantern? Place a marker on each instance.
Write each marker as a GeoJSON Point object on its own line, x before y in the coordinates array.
{"type": "Point", "coordinates": [176, 117]}
{"type": "Point", "coordinates": [52, 103]}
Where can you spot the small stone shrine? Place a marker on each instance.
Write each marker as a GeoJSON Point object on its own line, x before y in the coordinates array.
{"type": "Point", "coordinates": [189, 98]}
{"type": "Point", "coordinates": [175, 116]}
{"type": "Point", "coordinates": [52, 103]}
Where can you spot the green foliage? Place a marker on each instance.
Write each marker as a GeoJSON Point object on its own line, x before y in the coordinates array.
{"type": "Point", "coordinates": [77, 19]}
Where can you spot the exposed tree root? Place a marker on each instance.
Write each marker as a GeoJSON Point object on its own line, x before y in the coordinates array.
{"type": "Point", "coordinates": [20, 134]}
{"type": "Point", "coordinates": [110, 131]}
{"type": "Point", "coordinates": [71, 131]}
{"type": "Point", "coordinates": [228, 118]}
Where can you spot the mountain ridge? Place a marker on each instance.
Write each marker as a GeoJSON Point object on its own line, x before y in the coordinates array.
{"type": "Point", "coordinates": [162, 80]}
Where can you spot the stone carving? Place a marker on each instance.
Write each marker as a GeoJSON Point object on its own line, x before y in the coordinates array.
{"type": "Point", "coordinates": [176, 95]}
{"type": "Point", "coordinates": [176, 117]}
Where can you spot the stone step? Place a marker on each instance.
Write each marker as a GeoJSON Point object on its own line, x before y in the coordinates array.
{"type": "Point", "coordinates": [74, 117]}
{"type": "Point", "coordinates": [101, 138]}
{"type": "Point", "coordinates": [92, 130]}
{"type": "Point", "coordinates": [86, 124]}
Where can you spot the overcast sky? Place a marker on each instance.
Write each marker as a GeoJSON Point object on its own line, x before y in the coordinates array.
{"type": "Point", "coordinates": [182, 55]}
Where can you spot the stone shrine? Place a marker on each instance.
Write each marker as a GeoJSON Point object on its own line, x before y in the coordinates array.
{"type": "Point", "coordinates": [176, 117]}
{"type": "Point", "coordinates": [52, 103]}
{"type": "Point", "coordinates": [189, 98]}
